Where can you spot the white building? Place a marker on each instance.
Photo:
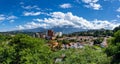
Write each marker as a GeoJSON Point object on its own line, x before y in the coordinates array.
{"type": "Point", "coordinates": [58, 34]}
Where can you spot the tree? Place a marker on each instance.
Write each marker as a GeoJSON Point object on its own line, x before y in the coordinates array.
{"type": "Point", "coordinates": [4, 38]}
{"type": "Point", "coordinates": [88, 55]}
{"type": "Point", "coordinates": [65, 41]}
{"type": "Point", "coordinates": [113, 50]}
{"type": "Point", "coordinates": [117, 36]}
{"type": "Point", "coordinates": [23, 49]}
{"type": "Point", "coordinates": [98, 41]}
{"type": "Point", "coordinates": [116, 28]}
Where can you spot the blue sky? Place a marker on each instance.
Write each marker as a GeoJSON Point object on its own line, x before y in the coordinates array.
{"type": "Point", "coordinates": [86, 14]}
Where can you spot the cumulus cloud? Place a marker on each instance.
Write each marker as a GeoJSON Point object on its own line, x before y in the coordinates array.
{"type": "Point", "coordinates": [98, 24]}
{"type": "Point", "coordinates": [31, 13]}
{"type": "Point", "coordinates": [118, 10]}
{"type": "Point", "coordinates": [92, 4]}
{"type": "Point", "coordinates": [10, 18]}
{"type": "Point", "coordinates": [31, 25]}
{"type": "Point", "coordinates": [2, 17]}
{"type": "Point", "coordinates": [62, 19]}
{"type": "Point", "coordinates": [66, 5]}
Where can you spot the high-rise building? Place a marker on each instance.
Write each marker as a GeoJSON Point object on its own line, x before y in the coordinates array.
{"type": "Point", "coordinates": [58, 34]}
{"type": "Point", "coordinates": [50, 33]}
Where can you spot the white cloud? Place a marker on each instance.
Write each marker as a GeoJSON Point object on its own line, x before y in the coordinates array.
{"type": "Point", "coordinates": [118, 10]}
{"type": "Point", "coordinates": [2, 17]}
{"type": "Point", "coordinates": [66, 5]}
{"type": "Point", "coordinates": [92, 4]}
{"type": "Point", "coordinates": [31, 25]}
{"type": "Point", "coordinates": [20, 27]}
{"type": "Point", "coordinates": [11, 17]}
{"type": "Point", "coordinates": [95, 6]}
{"type": "Point", "coordinates": [39, 20]}
{"type": "Point", "coordinates": [11, 21]}
{"type": "Point", "coordinates": [62, 19]}
{"type": "Point", "coordinates": [7, 18]}
{"type": "Point", "coordinates": [118, 16]}
{"type": "Point", "coordinates": [112, 1]}
{"type": "Point", "coordinates": [31, 7]}
{"type": "Point", "coordinates": [98, 24]}
{"type": "Point", "coordinates": [90, 1]}
{"type": "Point", "coordinates": [114, 20]}
{"type": "Point", "coordinates": [31, 13]}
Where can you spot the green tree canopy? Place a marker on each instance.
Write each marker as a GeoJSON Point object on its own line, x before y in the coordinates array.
{"type": "Point", "coordinates": [23, 49]}
{"type": "Point", "coordinates": [113, 48]}
{"type": "Point", "coordinates": [116, 28]}
{"type": "Point", "coordinates": [88, 55]}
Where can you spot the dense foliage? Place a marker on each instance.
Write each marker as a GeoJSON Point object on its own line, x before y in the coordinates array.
{"type": "Point", "coordinates": [4, 38]}
{"type": "Point", "coordinates": [95, 33]}
{"type": "Point", "coordinates": [98, 41]}
{"type": "Point", "coordinates": [23, 49]}
{"type": "Point", "coordinates": [88, 55]}
{"type": "Point", "coordinates": [113, 49]}
{"type": "Point", "coordinates": [116, 29]}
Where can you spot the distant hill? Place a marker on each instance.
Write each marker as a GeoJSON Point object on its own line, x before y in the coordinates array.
{"type": "Point", "coordinates": [65, 29]}
{"type": "Point", "coordinates": [33, 30]}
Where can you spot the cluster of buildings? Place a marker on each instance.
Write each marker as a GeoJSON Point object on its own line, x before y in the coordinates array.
{"type": "Point", "coordinates": [80, 41]}
{"type": "Point", "coordinates": [50, 34]}
{"type": "Point", "coordinates": [72, 45]}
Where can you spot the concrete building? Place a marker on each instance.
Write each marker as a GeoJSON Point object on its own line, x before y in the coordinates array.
{"type": "Point", "coordinates": [58, 34]}
{"type": "Point", "coordinates": [50, 34]}
{"type": "Point", "coordinates": [39, 35]}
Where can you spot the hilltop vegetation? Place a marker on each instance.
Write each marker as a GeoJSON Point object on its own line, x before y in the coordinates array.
{"type": "Point", "coordinates": [113, 50]}
{"type": "Point", "coordinates": [116, 28]}
{"type": "Point", "coordinates": [95, 33]}
{"type": "Point", "coordinates": [24, 49]}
